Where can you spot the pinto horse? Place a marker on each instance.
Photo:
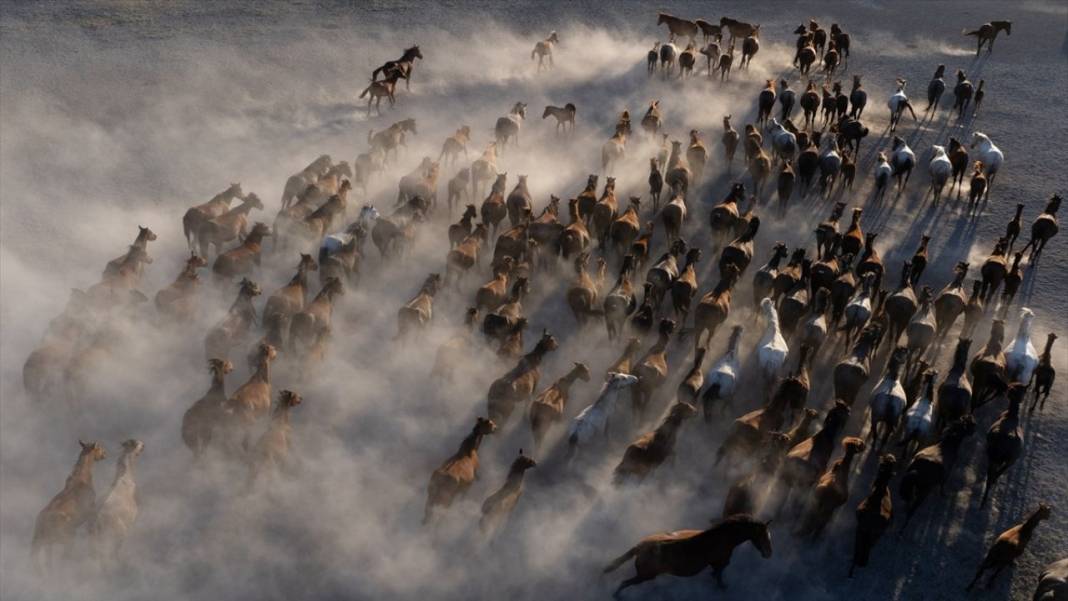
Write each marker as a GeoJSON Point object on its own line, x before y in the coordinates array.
{"type": "Point", "coordinates": [402, 67]}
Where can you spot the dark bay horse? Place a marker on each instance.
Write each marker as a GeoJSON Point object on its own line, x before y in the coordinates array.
{"type": "Point", "coordinates": [688, 552]}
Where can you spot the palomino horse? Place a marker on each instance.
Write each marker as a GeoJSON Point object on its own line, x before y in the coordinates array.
{"type": "Point", "coordinates": [688, 552]}
{"type": "Point", "coordinates": [987, 33]}
{"type": "Point", "coordinates": [544, 48]}
{"type": "Point", "coordinates": [677, 27]}
{"type": "Point", "coordinates": [401, 67]}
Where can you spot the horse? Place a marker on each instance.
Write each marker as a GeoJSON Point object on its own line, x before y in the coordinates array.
{"type": "Point", "coordinates": [401, 67]}
{"type": "Point", "coordinates": [677, 27]}
{"type": "Point", "coordinates": [391, 138]}
{"type": "Point", "coordinates": [738, 29]}
{"type": "Point", "coordinates": [688, 552]}
{"type": "Point", "coordinates": [941, 169]}
{"type": "Point", "coordinates": [564, 115]}
{"type": "Point", "coordinates": [668, 53]}
{"type": "Point", "coordinates": [379, 89]}
{"type": "Point", "coordinates": [962, 93]}
{"type": "Point", "coordinates": [544, 48]}
{"type": "Point", "coordinates": [987, 33]}
{"type": "Point", "coordinates": [750, 46]}
{"type": "Point", "coordinates": [507, 127]}
{"type": "Point", "coordinates": [897, 104]}
{"type": "Point", "coordinates": [902, 160]}
{"type": "Point", "coordinates": [990, 155]}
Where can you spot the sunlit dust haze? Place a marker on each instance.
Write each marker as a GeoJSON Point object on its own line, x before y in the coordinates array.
{"type": "Point", "coordinates": [119, 114]}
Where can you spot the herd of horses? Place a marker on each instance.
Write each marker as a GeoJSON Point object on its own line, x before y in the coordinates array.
{"type": "Point", "coordinates": [828, 316]}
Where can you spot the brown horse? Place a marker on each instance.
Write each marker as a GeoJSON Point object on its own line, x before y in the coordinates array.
{"type": "Point", "coordinates": [252, 400]}
{"type": "Point", "coordinates": [144, 236]}
{"type": "Point", "coordinates": [203, 416]}
{"type": "Point", "coordinates": [653, 448]}
{"type": "Point", "coordinates": [455, 476]}
{"type": "Point", "coordinates": [831, 491]}
{"type": "Point", "coordinates": [520, 382]}
{"type": "Point", "coordinates": [548, 408]}
{"type": "Point", "coordinates": [179, 300]}
{"type": "Point", "coordinates": [499, 505]}
{"type": "Point", "coordinates": [289, 299]}
{"type": "Point", "coordinates": [874, 514]}
{"type": "Point", "coordinates": [308, 323]}
{"type": "Point", "coordinates": [677, 27]}
{"type": "Point", "coordinates": [236, 325]}
{"type": "Point", "coordinates": [241, 260]}
{"type": "Point", "coordinates": [392, 138]}
{"type": "Point", "coordinates": [454, 145]}
{"type": "Point", "coordinates": [218, 205]}
{"type": "Point", "coordinates": [1010, 545]}
{"type": "Point", "coordinates": [987, 33]}
{"type": "Point", "coordinates": [688, 552]}
{"type": "Point", "coordinates": [417, 312]}
{"type": "Point", "coordinates": [60, 519]}
{"type": "Point", "coordinates": [231, 225]}
{"type": "Point", "coordinates": [379, 90]}
{"type": "Point", "coordinates": [271, 451]}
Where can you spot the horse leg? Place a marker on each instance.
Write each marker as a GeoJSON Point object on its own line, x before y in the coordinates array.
{"type": "Point", "coordinates": [631, 582]}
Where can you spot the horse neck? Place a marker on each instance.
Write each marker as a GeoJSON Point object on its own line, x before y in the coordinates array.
{"type": "Point", "coordinates": [1047, 352]}
{"type": "Point", "coordinates": [263, 371]}
{"type": "Point", "coordinates": [243, 304]}
{"type": "Point", "coordinates": [218, 384]}
{"type": "Point", "coordinates": [300, 278]}
{"type": "Point", "coordinates": [843, 466]}
{"type": "Point", "coordinates": [82, 472]}
{"type": "Point", "coordinates": [470, 443]}
{"type": "Point", "coordinates": [255, 238]}
{"type": "Point", "coordinates": [775, 260]}
{"type": "Point", "coordinates": [564, 383]}
{"type": "Point", "coordinates": [773, 322]}
{"type": "Point", "coordinates": [515, 476]}
{"type": "Point", "coordinates": [124, 469]}
{"type": "Point", "coordinates": [728, 533]}
{"type": "Point", "coordinates": [1028, 527]}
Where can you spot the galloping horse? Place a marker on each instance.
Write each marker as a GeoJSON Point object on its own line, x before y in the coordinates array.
{"type": "Point", "coordinates": [988, 32]}
{"type": "Point", "coordinates": [678, 27]}
{"type": "Point", "coordinates": [402, 67]}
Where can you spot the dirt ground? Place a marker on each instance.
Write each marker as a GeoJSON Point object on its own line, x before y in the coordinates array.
{"type": "Point", "coordinates": [119, 114]}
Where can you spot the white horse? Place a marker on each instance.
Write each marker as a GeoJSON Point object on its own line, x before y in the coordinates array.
{"type": "Point", "coordinates": [783, 142]}
{"type": "Point", "coordinates": [883, 173]}
{"type": "Point", "coordinates": [902, 160]}
{"type": "Point", "coordinates": [1021, 359]}
{"type": "Point", "coordinates": [593, 420]}
{"type": "Point", "coordinates": [830, 165]}
{"type": "Point", "coordinates": [941, 169]}
{"type": "Point", "coordinates": [919, 419]}
{"type": "Point", "coordinates": [897, 104]}
{"type": "Point", "coordinates": [723, 376]}
{"type": "Point", "coordinates": [772, 349]}
{"type": "Point", "coordinates": [990, 155]}
{"type": "Point", "coordinates": [507, 127]}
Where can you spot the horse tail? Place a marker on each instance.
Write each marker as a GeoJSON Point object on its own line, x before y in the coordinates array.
{"type": "Point", "coordinates": [622, 559]}
{"type": "Point", "coordinates": [966, 32]}
{"type": "Point", "coordinates": [366, 90]}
